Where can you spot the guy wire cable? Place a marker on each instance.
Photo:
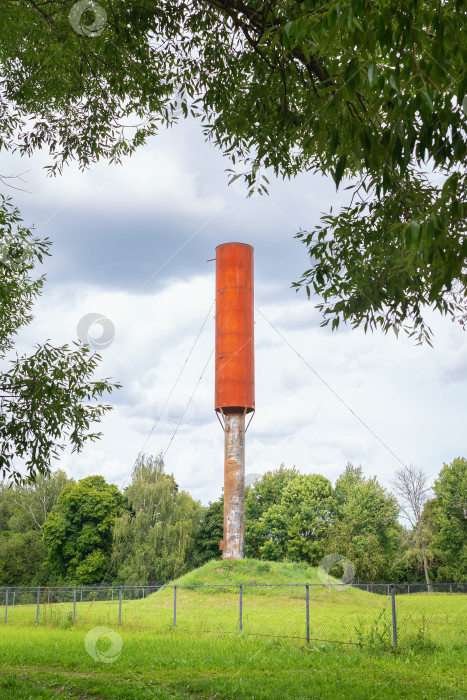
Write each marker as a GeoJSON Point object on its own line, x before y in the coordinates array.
{"type": "Point", "coordinates": [171, 391]}
{"type": "Point", "coordinates": [178, 425]}
{"type": "Point", "coordinates": [330, 388]}
{"type": "Point", "coordinates": [201, 376]}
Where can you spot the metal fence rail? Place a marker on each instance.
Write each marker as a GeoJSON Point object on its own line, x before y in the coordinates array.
{"type": "Point", "coordinates": [382, 614]}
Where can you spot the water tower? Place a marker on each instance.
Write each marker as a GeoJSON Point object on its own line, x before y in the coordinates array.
{"type": "Point", "coordinates": [235, 380]}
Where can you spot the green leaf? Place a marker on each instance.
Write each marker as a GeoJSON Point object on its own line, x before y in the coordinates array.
{"type": "Point", "coordinates": [430, 231]}
{"type": "Point", "coordinates": [352, 73]}
{"type": "Point", "coordinates": [357, 24]}
{"type": "Point", "coordinates": [415, 233]}
{"type": "Point", "coordinates": [393, 82]}
{"type": "Point", "coordinates": [371, 73]}
{"type": "Point", "coordinates": [339, 171]}
{"type": "Point", "coordinates": [428, 100]}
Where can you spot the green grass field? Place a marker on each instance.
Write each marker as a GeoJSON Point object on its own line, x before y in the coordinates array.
{"type": "Point", "coordinates": [46, 662]}
{"type": "Point", "coordinates": [205, 656]}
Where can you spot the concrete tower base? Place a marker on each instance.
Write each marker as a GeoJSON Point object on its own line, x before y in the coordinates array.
{"type": "Point", "coordinates": [234, 486]}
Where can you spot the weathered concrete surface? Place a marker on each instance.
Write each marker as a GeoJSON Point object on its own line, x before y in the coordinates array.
{"type": "Point", "coordinates": [234, 486]}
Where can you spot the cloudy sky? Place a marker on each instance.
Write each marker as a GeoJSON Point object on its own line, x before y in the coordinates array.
{"type": "Point", "coordinates": [131, 244]}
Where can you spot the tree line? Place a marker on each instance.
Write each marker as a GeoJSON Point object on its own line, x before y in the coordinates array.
{"type": "Point", "coordinates": [59, 531]}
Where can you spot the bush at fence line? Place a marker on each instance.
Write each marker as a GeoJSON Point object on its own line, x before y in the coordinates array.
{"type": "Point", "coordinates": [421, 639]}
{"type": "Point", "coordinates": [378, 634]}
{"type": "Point", "coordinates": [57, 617]}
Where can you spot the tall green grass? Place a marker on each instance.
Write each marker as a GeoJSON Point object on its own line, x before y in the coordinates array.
{"type": "Point", "coordinates": [49, 662]}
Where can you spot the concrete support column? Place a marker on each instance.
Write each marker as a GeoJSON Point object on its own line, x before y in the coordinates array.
{"type": "Point", "coordinates": [234, 486]}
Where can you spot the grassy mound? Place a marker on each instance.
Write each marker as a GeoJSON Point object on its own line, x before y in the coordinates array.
{"type": "Point", "coordinates": [260, 578]}
{"type": "Point", "coordinates": [249, 571]}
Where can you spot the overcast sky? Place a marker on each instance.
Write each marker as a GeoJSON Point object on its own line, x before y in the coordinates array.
{"type": "Point", "coordinates": [131, 244]}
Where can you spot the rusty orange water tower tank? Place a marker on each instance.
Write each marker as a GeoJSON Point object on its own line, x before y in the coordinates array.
{"type": "Point", "coordinates": [235, 380]}
{"type": "Point", "coordinates": [235, 354]}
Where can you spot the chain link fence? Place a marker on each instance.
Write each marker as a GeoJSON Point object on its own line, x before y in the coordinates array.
{"type": "Point", "coordinates": [388, 615]}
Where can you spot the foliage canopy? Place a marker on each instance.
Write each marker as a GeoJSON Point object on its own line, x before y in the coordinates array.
{"type": "Point", "coordinates": [78, 531]}
{"type": "Point", "coordinates": [371, 92]}
{"type": "Point", "coordinates": [155, 538]}
{"type": "Point", "coordinates": [450, 516]}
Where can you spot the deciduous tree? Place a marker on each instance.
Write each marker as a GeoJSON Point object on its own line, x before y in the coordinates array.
{"type": "Point", "coordinates": [26, 507]}
{"type": "Point", "coordinates": [451, 518]}
{"type": "Point", "coordinates": [78, 532]}
{"type": "Point", "coordinates": [155, 539]}
{"type": "Point", "coordinates": [411, 487]}
{"type": "Point", "coordinates": [211, 532]}
{"type": "Point", "coordinates": [364, 528]}
{"type": "Point", "coordinates": [47, 399]}
{"type": "Point", "coordinates": [23, 512]}
{"type": "Point", "coordinates": [259, 497]}
{"type": "Point", "coordinates": [23, 559]}
{"type": "Point", "coordinates": [294, 528]}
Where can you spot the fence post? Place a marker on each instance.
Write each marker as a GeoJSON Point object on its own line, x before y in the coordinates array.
{"type": "Point", "coordinates": [408, 588]}
{"type": "Point", "coordinates": [241, 608]}
{"type": "Point", "coordinates": [367, 588]}
{"type": "Point", "coordinates": [143, 591]}
{"type": "Point", "coordinates": [112, 594]}
{"type": "Point", "coordinates": [48, 597]}
{"type": "Point", "coordinates": [307, 613]}
{"type": "Point", "coordinates": [394, 622]}
{"type": "Point", "coordinates": [38, 602]}
{"type": "Point", "coordinates": [175, 606]}
{"type": "Point", "coordinates": [6, 604]}
{"type": "Point", "coordinates": [81, 596]}
{"type": "Point", "coordinates": [388, 588]}
{"type": "Point", "coordinates": [450, 588]}
{"type": "Point", "coordinates": [120, 606]}
{"type": "Point", "coordinates": [74, 605]}
{"type": "Point", "coordinates": [14, 596]}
